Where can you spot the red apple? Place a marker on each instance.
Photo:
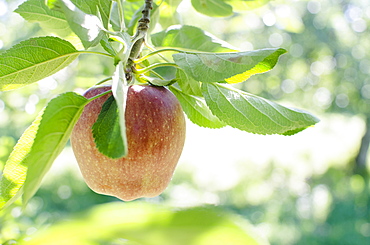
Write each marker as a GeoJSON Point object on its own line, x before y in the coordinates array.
{"type": "Point", "coordinates": [155, 128]}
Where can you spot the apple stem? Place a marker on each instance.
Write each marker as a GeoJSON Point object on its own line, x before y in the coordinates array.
{"type": "Point", "coordinates": [139, 38]}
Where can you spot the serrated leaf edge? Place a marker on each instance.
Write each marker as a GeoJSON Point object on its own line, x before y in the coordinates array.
{"type": "Point", "coordinates": [272, 104]}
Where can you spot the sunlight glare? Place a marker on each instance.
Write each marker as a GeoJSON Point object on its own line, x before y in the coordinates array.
{"type": "Point", "coordinates": [269, 18]}
{"type": "Point", "coordinates": [3, 7]}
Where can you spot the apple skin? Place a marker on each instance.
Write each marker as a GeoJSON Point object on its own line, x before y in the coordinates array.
{"type": "Point", "coordinates": [155, 128]}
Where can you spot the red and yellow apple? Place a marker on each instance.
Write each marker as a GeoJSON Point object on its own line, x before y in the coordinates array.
{"type": "Point", "coordinates": [155, 129]}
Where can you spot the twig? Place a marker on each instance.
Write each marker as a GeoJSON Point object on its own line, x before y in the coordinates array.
{"type": "Point", "coordinates": [139, 38]}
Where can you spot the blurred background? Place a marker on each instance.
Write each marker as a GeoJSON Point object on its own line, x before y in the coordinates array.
{"type": "Point", "coordinates": [310, 188]}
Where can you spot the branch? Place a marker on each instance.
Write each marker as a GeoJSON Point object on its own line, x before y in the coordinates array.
{"type": "Point", "coordinates": [139, 38]}
{"type": "Point", "coordinates": [145, 20]}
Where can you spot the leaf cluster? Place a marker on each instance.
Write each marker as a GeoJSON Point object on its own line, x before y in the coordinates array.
{"type": "Point", "coordinates": [199, 72]}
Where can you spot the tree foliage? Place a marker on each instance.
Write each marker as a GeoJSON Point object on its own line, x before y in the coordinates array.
{"type": "Point", "coordinates": [90, 22]}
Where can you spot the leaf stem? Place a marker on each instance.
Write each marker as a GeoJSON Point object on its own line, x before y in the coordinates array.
{"type": "Point", "coordinates": [157, 52]}
{"type": "Point", "coordinates": [151, 67]}
{"type": "Point", "coordinates": [103, 81]}
{"type": "Point", "coordinates": [98, 96]}
{"type": "Point", "coordinates": [155, 73]}
{"type": "Point", "coordinates": [153, 49]}
{"type": "Point", "coordinates": [94, 52]}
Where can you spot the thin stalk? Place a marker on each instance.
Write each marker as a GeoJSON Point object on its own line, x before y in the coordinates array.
{"type": "Point", "coordinates": [155, 73]}
{"type": "Point", "coordinates": [151, 67]}
{"type": "Point", "coordinates": [103, 81]}
{"type": "Point", "coordinates": [153, 49]}
{"type": "Point", "coordinates": [98, 96]}
{"type": "Point", "coordinates": [93, 52]}
{"type": "Point", "coordinates": [157, 52]}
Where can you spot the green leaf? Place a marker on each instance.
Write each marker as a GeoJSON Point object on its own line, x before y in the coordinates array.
{"type": "Point", "coordinates": [188, 84]}
{"type": "Point", "coordinates": [106, 44]}
{"type": "Point", "coordinates": [189, 37]}
{"type": "Point", "coordinates": [233, 67]}
{"type": "Point", "coordinates": [99, 8]}
{"type": "Point", "coordinates": [213, 8]}
{"type": "Point", "coordinates": [119, 90]}
{"type": "Point", "coordinates": [143, 223]}
{"type": "Point", "coordinates": [38, 147]}
{"type": "Point", "coordinates": [33, 60]}
{"type": "Point", "coordinates": [254, 114]}
{"type": "Point", "coordinates": [49, 20]}
{"type": "Point", "coordinates": [114, 17]}
{"type": "Point", "coordinates": [107, 132]}
{"type": "Point", "coordinates": [87, 27]}
{"type": "Point", "coordinates": [15, 170]}
{"type": "Point", "coordinates": [197, 110]}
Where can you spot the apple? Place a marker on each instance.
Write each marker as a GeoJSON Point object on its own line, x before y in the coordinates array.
{"type": "Point", "coordinates": [155, 128]}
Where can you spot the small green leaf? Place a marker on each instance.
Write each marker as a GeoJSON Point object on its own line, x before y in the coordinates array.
{"type": "Point", "coordinates": [188, 84]}
{"type": "Point", "coordinates": [230, 67]}
{"type": "Point", "coordinates": [254, 114]}
{"type": "Point", "coordinates": [213, 8]}
{"type": "Point", "coordinates": [33, 60]}
{"type": "Point", "coordinates": [189, 37]}
{"type": "Point", "coordinates": [197, 110]}
{"type": "Point", "coordinates": [107, 132]}
{"type": "Point", "coordinates": [38, 147]}
{"type": "Point", "coordinates": [50, 20]}
{"type": "Point", "coordinates": [106, 44]}
{"type": "Point", "coordinates": [144, 223]}
{"type": "Point", "coordinates": [87, 27]}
